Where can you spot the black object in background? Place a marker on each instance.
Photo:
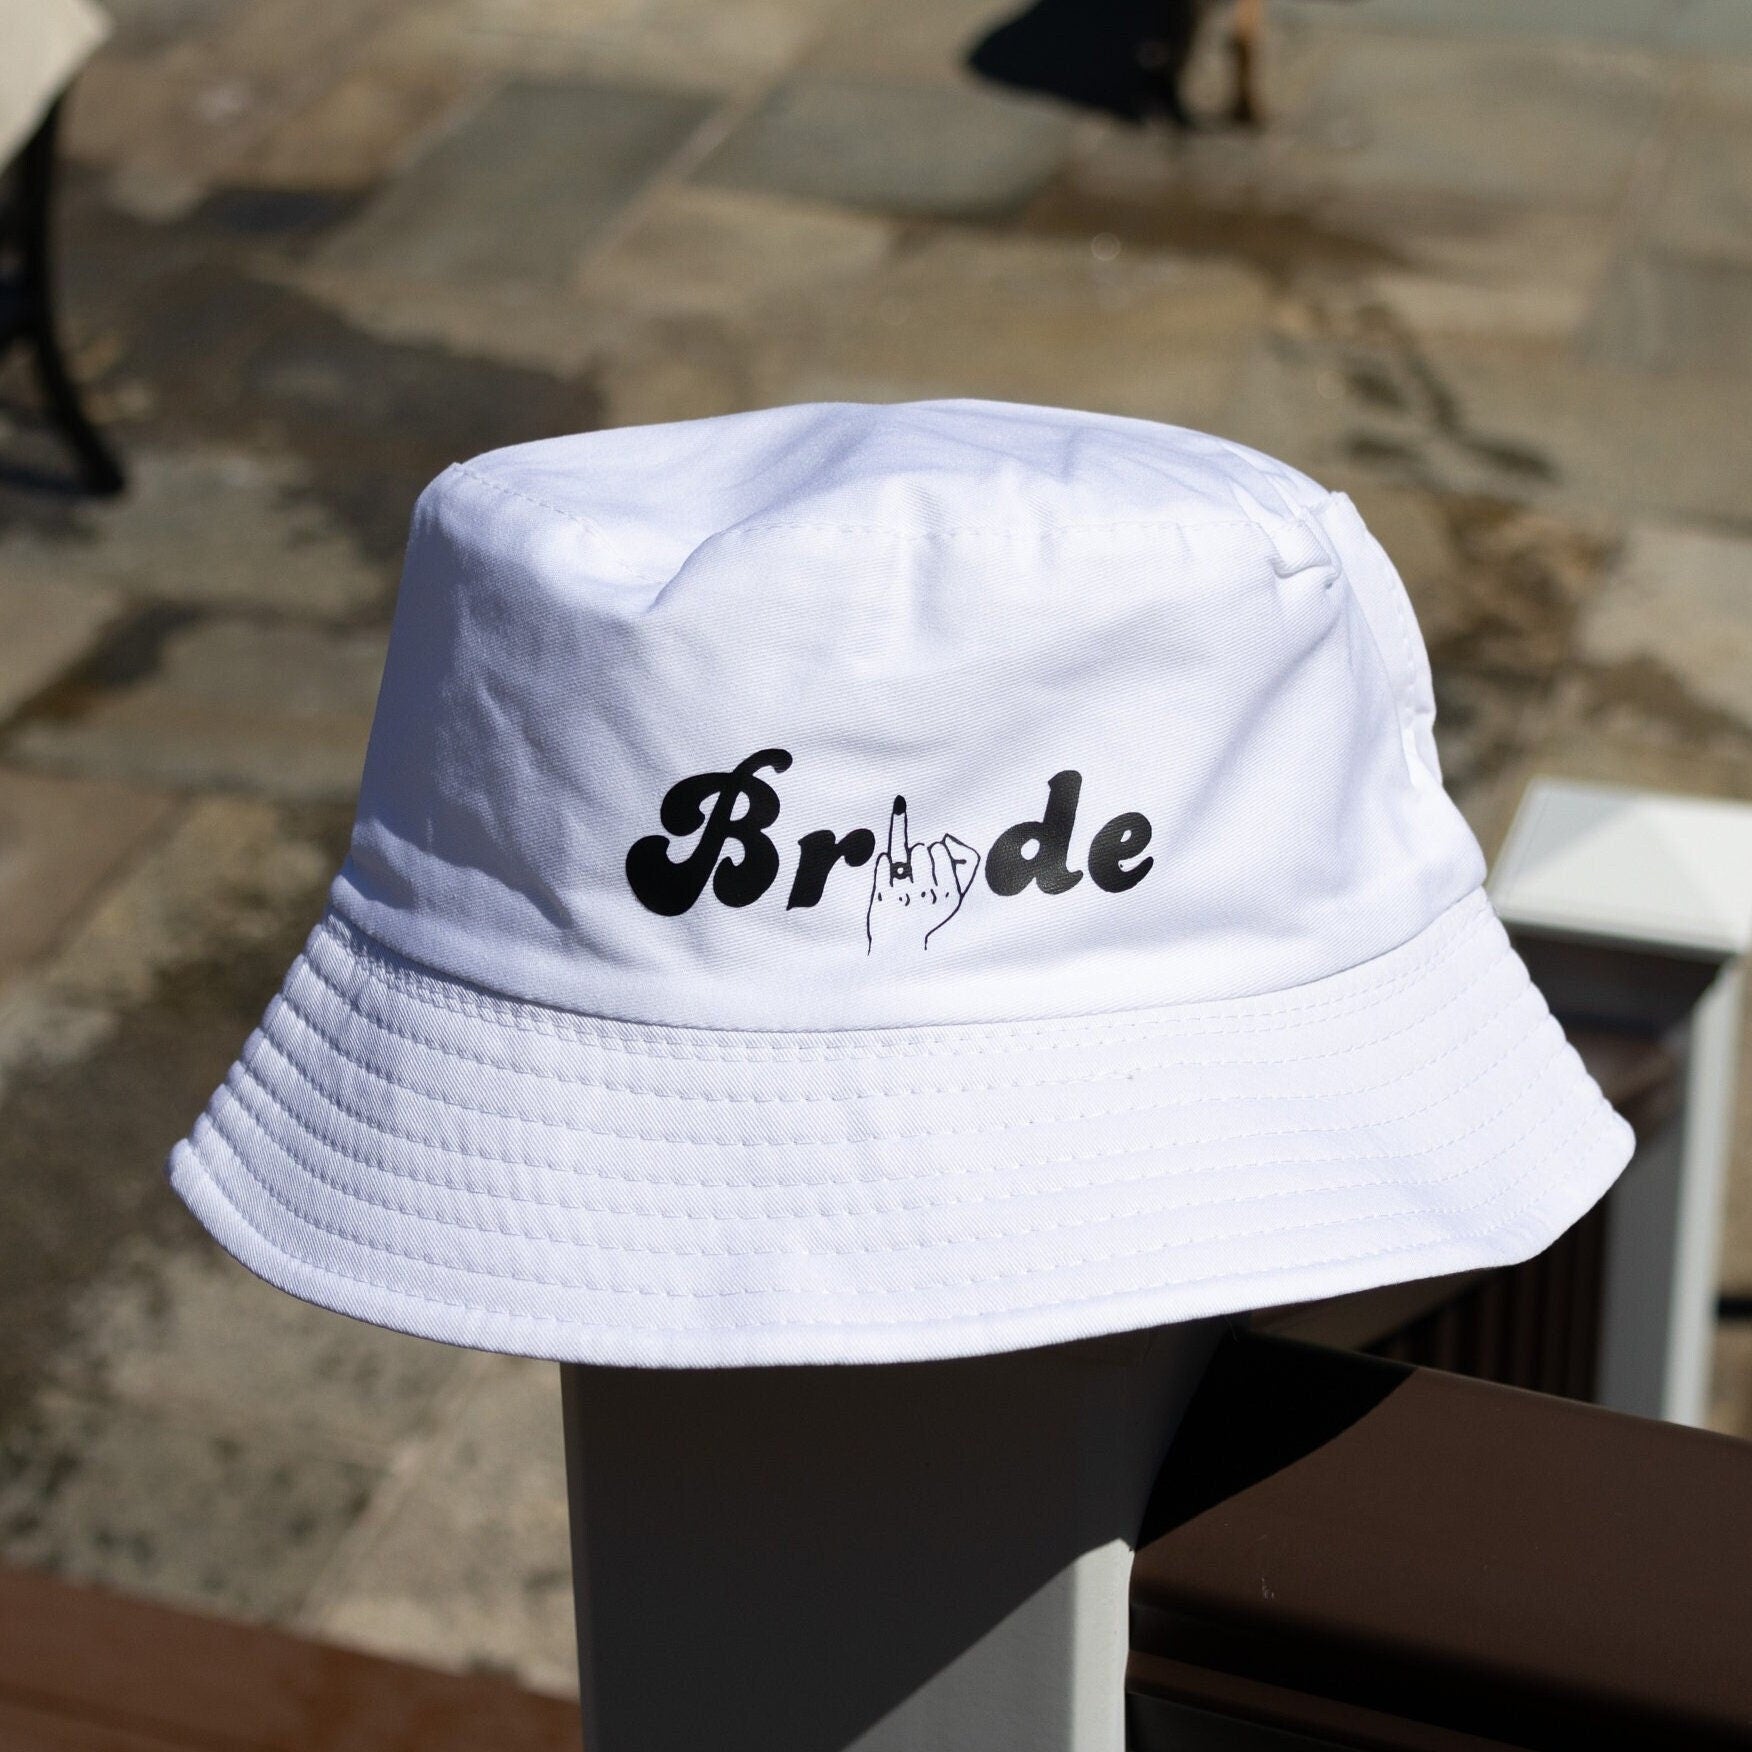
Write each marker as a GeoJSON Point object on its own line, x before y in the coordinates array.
{"type": "Point", "coordinates": [1123, 57]}
{"type": "Point", "coordinates": [27, 302]}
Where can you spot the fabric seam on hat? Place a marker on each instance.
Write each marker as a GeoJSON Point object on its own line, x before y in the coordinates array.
{"type": "Point", "coordinates": [1401, 676]}
{"type": "Point", "coordinates": [575, 517]}
{"type": "Point", "coordinates": [459, 998]}
{"type": "Point", "coordinates": [408, 1256]}
{"type": "Point", "coordinates": [1010, 531]}
{"type": "Point", "coordinates": [598, 1246]}
{"type": "Point", "coordinates": [679, 1141]}
{"type": "Point", "coordinates": [458, 1056]}
{"type": "Point", "coordinates": [189, 1156]}
{"type": "Point", "coordinates": [1009, 1318]}
{"type": "Point", "coordinates": [1056, 1159]}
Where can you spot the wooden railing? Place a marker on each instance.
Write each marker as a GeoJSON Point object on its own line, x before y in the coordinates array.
{"type": "Point", "coordinates": [86, 1671]}
{"type": "Point", "coordinates": [1343, 1551]}
{"type": "Point", "coordinates": [1368, 1554]}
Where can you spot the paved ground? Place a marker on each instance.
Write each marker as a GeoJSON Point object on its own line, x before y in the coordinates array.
{"type": "Point", "coordinates": [1490, 269]}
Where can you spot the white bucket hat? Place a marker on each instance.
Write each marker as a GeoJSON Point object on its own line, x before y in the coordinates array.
{"type": "Point", "coordinates": [864, 884]}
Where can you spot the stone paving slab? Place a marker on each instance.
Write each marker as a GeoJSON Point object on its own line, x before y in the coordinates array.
{"type": "Point", "coordinates": [1157, 336]}
{"type": "Point", "coordinates": [547, 21]}
{"type": "Point", "coordinates": [925, 150]}
{"type": "Point", "coordinates": [359, 424]}
{"type": "Point", "coordinates": [1370, 168]}
{"type": "Point", "coordinates": [236, 877]}
{"type": "Point", "coordinates": [1643, 22]}
{"type": "Point", "coordinates": [920, 41]}
{"type": "Point", "coordinates": [1712, 27]}
{"type": "Point", "coordinates": [272, 47]}
{"type": "Point", "coordinates": [164, 140]}
{"type": "Point", "coordinates": [202, 526]}
{"type": "Point", "coordinates": [660, 362]}
{"type": "Point", "coordinates": [275, 707]}
{"type": "Point", "coordinates": [1647, 445]}
{"type": "Point", "coordinates": [61, 842]}
{"type": "Point", "coordinates": [160, 1506]}
{"type": "Point", "coordinates": [465, 1560]}
{"type": "Point", "coordinates": [685, 45]}
{"type": "Point", "coordinates": [1515, 273]}
{"type": "Point", "coordinates": [143, 25]}
{"type": "Point", "coordinates": [366, 126]}
{"type": "Point", "coordinates": [729, 252]}
{"type": "Point", "coordinates": [172, 122]}
{"type": "Point", "coordinates": [1402, 113]}
{"type": "Point", "coordinates": [1702, 204]}
{"type": "Point", "coordinates": [1678, 600]}
{"type": "Point", "coordinates": [109, 1050]}
{"type": "Point", "coordinates": [552, 331]}
{"type": "Point", "coordinates": [197, 1338]}
{"type": "Point", "coordinates": [1336, 407]}
{"type": "Point", "coordinates": [1666, 313]}
{"type": "Point", "coordinates": [1506, 269]}
{"type": "Point", "coordinates": [109, 1467]}
{"type": "Point", "coordinates": [1498, 588]}
{"type": "Point", "coordinates": [47, 623]}
{"type": "Point", "coordinates": [573, 152]}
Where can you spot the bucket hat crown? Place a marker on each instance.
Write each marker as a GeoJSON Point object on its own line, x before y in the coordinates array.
{"type": "Point", "coordinates": [857, 884]}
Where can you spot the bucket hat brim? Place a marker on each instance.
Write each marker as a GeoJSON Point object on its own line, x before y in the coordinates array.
{"type": "Point", "coordinates": [430, 1156]}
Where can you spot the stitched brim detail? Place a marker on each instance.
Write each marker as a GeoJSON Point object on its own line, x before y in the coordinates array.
{"type": "Point", "coordinates": [424, 1155]}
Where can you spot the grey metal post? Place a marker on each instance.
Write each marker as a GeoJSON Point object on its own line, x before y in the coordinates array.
{"type": "Point", "coordinates": [1634, 908]}
{"type": "Point", "coordinates": [906, 1558]}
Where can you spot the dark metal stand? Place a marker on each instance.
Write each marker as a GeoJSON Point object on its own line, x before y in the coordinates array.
{"type": "Point", "coordinates": [27, 306]}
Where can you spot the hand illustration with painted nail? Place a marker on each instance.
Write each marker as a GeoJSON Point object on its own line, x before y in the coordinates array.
{"type": "Point", "coordinates": [917, 888]}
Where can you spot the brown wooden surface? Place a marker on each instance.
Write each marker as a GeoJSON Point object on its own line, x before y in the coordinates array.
{"type": "Point", "coordinates": [1153, 1680]}
{"type": "Point", "coordinates": [86, 1671]}
{"type": "Point", "coordinates": [1412, 1544]}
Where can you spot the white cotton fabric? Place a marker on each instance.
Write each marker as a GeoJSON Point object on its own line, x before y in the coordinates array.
{"type": "Point", "coordinates": [860, 884]}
